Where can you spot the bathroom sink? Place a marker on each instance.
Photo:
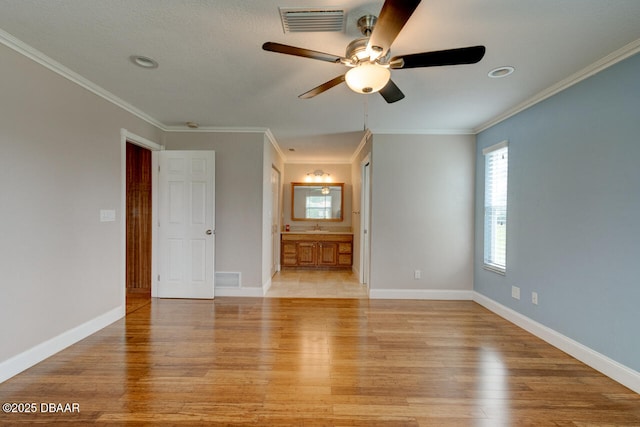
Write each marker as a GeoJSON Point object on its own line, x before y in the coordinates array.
{"type": "Point", "coordinates": [316, 231]}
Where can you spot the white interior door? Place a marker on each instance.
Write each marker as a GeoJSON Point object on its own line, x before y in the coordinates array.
{"type": "Point", "coordinates": [186, 224]}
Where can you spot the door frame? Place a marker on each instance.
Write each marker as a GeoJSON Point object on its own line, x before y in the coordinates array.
{"type": "Point", "coordinates": [365, 221]}
{"type": "Point", "coordinates": [126, 136]}
{"type": "Point", "coordinates": [275, 221]}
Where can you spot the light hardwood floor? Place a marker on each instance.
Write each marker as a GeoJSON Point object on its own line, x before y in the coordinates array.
{"type": "Point", "coordinates": [318, 362]}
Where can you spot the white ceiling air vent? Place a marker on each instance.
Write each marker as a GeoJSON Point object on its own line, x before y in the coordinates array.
{"type": "Point", "coordinates": [310, 20]}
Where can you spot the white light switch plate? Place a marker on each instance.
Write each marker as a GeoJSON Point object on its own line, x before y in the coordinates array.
{"type": "Point", "coordinates": [107, 215]}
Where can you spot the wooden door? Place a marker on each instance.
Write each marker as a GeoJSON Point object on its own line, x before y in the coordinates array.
{"type": "Point", "coordinates": [138, 218]}
{"type": "Point", "coordinates": [187, 218]}
{"type": "Point", "coordinates": [306, 253]}
{"type": "Point", "coordinates": [327, 254]}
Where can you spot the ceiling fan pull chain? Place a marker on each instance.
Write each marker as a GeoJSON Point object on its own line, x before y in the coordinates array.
{"type": "Point", "coordinates": [366, 112]}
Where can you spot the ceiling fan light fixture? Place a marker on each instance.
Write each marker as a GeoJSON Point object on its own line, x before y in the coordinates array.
{"type": "Point", "coordinates": [367, 78]}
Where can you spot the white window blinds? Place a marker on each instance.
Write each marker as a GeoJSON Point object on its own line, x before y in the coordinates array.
{"type": "Point", "coordinates": [495, 206]}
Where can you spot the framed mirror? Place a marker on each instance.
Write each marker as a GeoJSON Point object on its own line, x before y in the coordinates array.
{"type": "Point", "coordinates": [317, 201]}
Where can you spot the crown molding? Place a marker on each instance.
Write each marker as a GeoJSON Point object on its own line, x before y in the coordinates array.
{"type": "Point", "coordinates": [604, 63]}
{"type": "Point", "coordinates": [217, 129]}
{"type": "Point", "coordinates": [318, 162]}
{"type": "Point", "coordinates": [274, 142]}
{"type": "Point", "coordinates": [47, 62]}
{"type": "Point", "coordinates": [423, 132]}
{"type": "Point", "coordinates": [367, 135]}
{"type": "Point", "coordinates": [227, 129]}
{"type": "Point", "coordinates": [42, 59]}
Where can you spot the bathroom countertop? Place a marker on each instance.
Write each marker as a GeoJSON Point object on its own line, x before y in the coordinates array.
{"type": "Point", "coordinates": [321, 232]}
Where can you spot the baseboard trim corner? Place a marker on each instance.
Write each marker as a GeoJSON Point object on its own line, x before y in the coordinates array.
{"type": "Point", "coordinates": [609, 367]}
{"type": "Point", "coordinates": [266, 287]}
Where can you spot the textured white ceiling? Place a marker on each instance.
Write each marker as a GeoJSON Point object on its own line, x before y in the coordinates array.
{"type": "Point", "coordinates": [214, 72]}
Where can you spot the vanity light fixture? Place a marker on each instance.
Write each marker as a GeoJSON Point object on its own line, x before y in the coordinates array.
{"type": "Point", "coordinates": [318, 175]}
{"type": "Point", "coordinates": [325, 190]}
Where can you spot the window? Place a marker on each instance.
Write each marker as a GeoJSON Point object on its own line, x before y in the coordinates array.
{"type": "Point", "coordinates": [318, 207]}
{"type": "Point", "coordinates": [496, 166]}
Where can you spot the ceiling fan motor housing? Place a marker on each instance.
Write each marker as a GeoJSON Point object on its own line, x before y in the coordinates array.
{"type": "Point", "coordinates": [357, 50]}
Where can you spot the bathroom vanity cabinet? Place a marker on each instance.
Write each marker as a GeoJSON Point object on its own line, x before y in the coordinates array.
{"type": "Point", "coordinates": [316, 250]}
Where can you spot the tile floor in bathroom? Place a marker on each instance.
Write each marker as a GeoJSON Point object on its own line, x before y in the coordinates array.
{"type": "Point", "coordinates": [299, 283]}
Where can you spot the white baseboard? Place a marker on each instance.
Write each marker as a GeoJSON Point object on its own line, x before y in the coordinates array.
{"type": "Point", "coordinates": [609, 367]}
{"type": "Point", "coordinates": [239, 292]}
{"type": "Point", "coordinates": [37, 354]}
{"type": "Point", "coordinates": [266, 287]}
{"type": "Point", "coordinates": [421, 294]}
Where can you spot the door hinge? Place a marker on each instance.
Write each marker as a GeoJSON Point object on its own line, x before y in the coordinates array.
{"type": "Point", "coordinates": [158, 277]}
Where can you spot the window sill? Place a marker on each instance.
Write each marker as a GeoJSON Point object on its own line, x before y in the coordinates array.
{"type": "Point", "coordinates": [498, 270]}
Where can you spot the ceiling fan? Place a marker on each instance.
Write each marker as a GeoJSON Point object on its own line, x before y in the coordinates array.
{"type": "Point", "coordinates": [369, 57]}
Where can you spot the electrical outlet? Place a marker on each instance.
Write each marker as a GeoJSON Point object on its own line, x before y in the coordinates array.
{"type": "Point", "coordinates": [534, 298]}
{"type": "Point", "coordinates": [417, 274]}
{"type": "Point", "coordinates": [515, 292]}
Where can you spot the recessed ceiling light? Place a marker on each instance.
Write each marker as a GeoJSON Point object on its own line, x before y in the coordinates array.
{"type": "Point", "coordinates": [501, 72]}
{"type": "Point", "coordinates": [143, 61]}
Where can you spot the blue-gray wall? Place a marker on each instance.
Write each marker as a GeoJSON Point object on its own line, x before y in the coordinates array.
{"type": "Point", "coordinates": [573, 232]}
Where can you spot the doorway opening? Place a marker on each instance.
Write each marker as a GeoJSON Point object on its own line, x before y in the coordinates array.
{"type": "Point", "coordinates": [365, 222]}
{"type": "Point", "coordinates": [138, 227]}
{"type": "Point", "coordinates": [128, 139]}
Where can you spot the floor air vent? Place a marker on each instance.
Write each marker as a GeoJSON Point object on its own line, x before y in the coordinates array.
{"type": "Point", "coordinates": [310, 20]}
{"type": "Point", "coordinates": [226, 279]}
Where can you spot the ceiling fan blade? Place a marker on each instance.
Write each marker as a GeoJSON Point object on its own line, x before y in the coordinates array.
{"type": "Point", "coordinates": [391, 93]}
{"type": "Point", "coordinates": [322, 88]}
{"type": "Point", "coordinates": [393, 16]}
{"type": "Point", "coordinates": [298, 51]}
{"type": "Point", "coordinates": [463, 55]}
